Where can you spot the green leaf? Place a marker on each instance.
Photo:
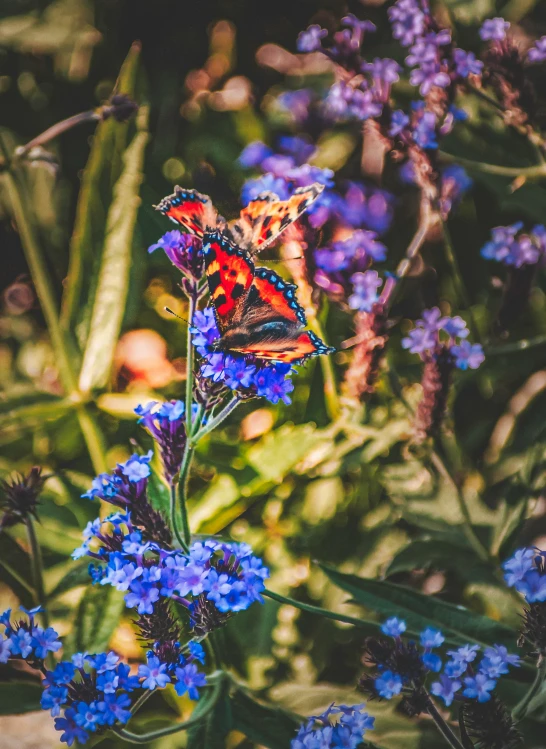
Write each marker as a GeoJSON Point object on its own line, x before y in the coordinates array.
{"type": "Point", "coordinates": [211, 733]}
{"type": "Point", "coordinates": [371, 627]}
{"type": "Point", "coordinates": [265, 725]}
{"type": "Point", "coordinates": [425, 553]}
{"type": "Point", "coordinates": [76, 576]}
{"type": "Point", "coordinates": [102, 170]}
{"type": "Point", "coordinates": [15, 570]}
{"type": "Point", "coordinates": [159, 494]}
{"type": "Point", "coordinates": [421, 611]}
{"type": "Point", "coordinates": [97, 617]}
{"type": "Point", "coordinates": [278, 452]}
{"type": "Point", "coordinates": [18, 697]}
{"type": "Point", "coordinates": [113, 281]}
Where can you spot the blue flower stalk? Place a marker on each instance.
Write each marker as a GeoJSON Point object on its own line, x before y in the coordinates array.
{"type": "Point", "coordinates": [338, 726]}
{"type": "Point", "coordinates": [526, 572]}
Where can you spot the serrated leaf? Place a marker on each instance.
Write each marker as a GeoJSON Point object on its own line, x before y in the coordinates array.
{"type": "Point", "coordinates": [17, 697]}
{"type": "Point", "coordinates": [113, 281]}
{"type": "Point", "coordinates": [421, 611]}
{"type": "Point", "coordinates": [97, 617]}
{"type": "Point", "coordinates": [102, 170]}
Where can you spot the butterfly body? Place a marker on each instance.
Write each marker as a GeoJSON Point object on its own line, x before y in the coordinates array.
{"type": "Point", "coordinates": [256, 310]}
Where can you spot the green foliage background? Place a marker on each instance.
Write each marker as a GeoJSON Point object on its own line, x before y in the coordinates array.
{"type": "Point", "coordinates": [383, 522]}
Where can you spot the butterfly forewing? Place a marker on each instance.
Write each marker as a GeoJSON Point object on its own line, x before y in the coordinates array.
{"type": "Point", "coordinates": [189, 209]}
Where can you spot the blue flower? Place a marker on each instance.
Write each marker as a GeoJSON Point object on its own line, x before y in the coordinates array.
{"type": "Point", "coordinates": [253, 154]}
{"type": "Point", "coordinates": [196, 651]}
{"type": "Point", "coordinates": [533, 587]}
{"type": "Point", "coordinates": [216, 586]}
{"type": "Point", "coordinates": [142, 596]}
{"type": "Point", "coordinates": [53, 698]}
{"type": "Point", "coordinates": [424, 132]}
{"type": "Point", "coordinates": [537, 53]}
{"type": "Point", "coordinates": [120, 573]}
{"type": "Point", "coordinates": [468, 355]}
{"type": "Point", "coordinates": [115, 708]}
{"type": "Point", "coordinates": [478, 687]}
{"type": "Point", "coordinates": [364, 294]}
{"type": "Point", "coordinates": [445, 689]}
{"type": "Point", "coordinates": [45, 641]}
{"type": "Point", "coordinates": [431, 638]}
{"type": "Point", "coordinates": [419, 340]}
{"type": "Point", "coordinates": [21, 643]}
{"type": "Point", "coordinates": [189, 679]}
{"type": "Point", "coordinates": [432, 661]}
{"type": "Point", "coordinates": [455, 669]}
{"type": "Point", "coordinates": [466, 63]}
{"type": "Point", "coordinates": [192, 579]}
{"type": "Point", "coordinates": [388, 684]}
{"type": "Point", "coordinates": [5, 649]}
{"type": "Point", "coordinates": [71, 730]}
{"type": "Point", "coordinates": [154, 673]}
{"type": "Point", "coordinates": [103, 661]}
{"type": "Point", "coordinates": [87, 716]}
{"type": "Point", "coordinates": [501, 652]}
{"type": "Point", "coordinates": [236, 600]}
{"type": "Point", "coordinates": [310, 39]}
{"type": "Point", "coordinates": [266, 183]}
{"type": "Point", "coordinates": [108, 682]}
{"type": "Point", "coordinates": [408, 21]}
{"type": "Point", "coordinates": [399, 121]}
{"type": "Point", "coordinates": [393, 627]}
{"type": "Point", "coordinates": [237, 373]}
{"type": "Point", "coordinates": [494, 28]}
{"type": "Point", "coordinates": [272, 383]}
{"type": "Point", "coordinates": [137, 467]}
{"type": "Point", "coordinates": [464, 654]}
{"type": "Point", "coordinates": [63, 673]}
{"type": "Point", "coordinates": [518, 565]}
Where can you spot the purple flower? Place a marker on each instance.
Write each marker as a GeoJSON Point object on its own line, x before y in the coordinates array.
{"type": "Point", "coordinates": [166, 422]}
{"type": "Point", "coordinates": [5, 649]}
{"type": "Point", "coordinates": [478, 687]}
{"type": "Point", "coordinates": [273, 383]}
{"type": "Point", "coordinates": [365, 286]}
{"type": "Point", "coordinates": [455, 669]}
{"type": "Point", "coordinates": [399, 121]}
{"type": "Point", "coordinates": [21, 643]}
{"type": "Point", "coordinates": [408, 21]}
{"type": "Point", "coordinates": [306, 174]}
{"type": "Point", "coordinates": [419, 340]}
{"type": "Point", "coordinates": [518, 565]}
{"type": "Point", "coordinates": [120, 573]}
{"type": "Point", "coordinates": [533, 587]}
{"type": "Point", "coordinates": [310, 39]}
{"type": "Point", "coordinates": [300, 149]}
{"type": "Point", "coordinates": [253, 154]}
{"type": "Point", "coordinates": [237, 373]}
{"type": "Point", "coordinates": [501, 652]}
{"type": "Point", "coordinates": [137, 467]}
{"type": "Point", "coordinates": [183, 250]}
{"type": "Point", "coordinates": [427, 76]}
{"type": "Point", "coordinates": [297, 103]}
{"type": "Point", "coordinates": [189, 679]}
{"type": "Point", "coordinates": [142, 596]}
{"type": "Point", "coordinates": [154, 673]}
{"type": "Point", "coordinates": [388, 684]}
{"type": "Point", "coordinates": [494, 28]}
{"type": "Point", "coordinates": [464, 654]}
{"type": "Point", "coordinates": [537, 53]}
{"type": "Point", "coordinates": [502, 241]}
{"type": "Point", "coordinates": [466, 63]}
{"type": "Point", "coordinates": [424, 132]}
{"type": "Point", "coordinates": [71, 731]}
{"type": "Point", "coordinates": [393, 627]}
{"type": "Point", "coordinates": [266, 183]}
{"type": "Point", "coordinates": [191, 579]}
{"type": "Point", "coordinates": [431, 638]}
{"type": "Point", "coordinates": [455, 182]}
{"type": "Point", "coordinates": [445, 689]}
{"type": "Point", "coordinates": [468, 355]}
{"type": "Point", "coordinates": [45, 641]}
{"type": "Point", "coordinates": [115, 708]}
{"type": "Point", "coordinates": [455, 327]}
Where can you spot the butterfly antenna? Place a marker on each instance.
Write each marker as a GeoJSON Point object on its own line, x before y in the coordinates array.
{"type": "Point", "coordinates": [169, 310]}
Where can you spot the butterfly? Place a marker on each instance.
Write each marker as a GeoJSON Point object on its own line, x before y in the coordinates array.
{"type": "Point", "coordinates": [256, 310]}
{"type": "Point", "coordinates": [259, 224]}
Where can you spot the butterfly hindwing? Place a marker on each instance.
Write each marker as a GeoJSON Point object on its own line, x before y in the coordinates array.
{"type": "Point", "coordinates": [264, 218]}
{"type": "Point", "coordinates": [269, 289]}
{"type": "Point", "coordinates": [189, 209]}
{"type": "Point", "coordinates": [295, 348]}
{"type": "Point", "coordinates": [230, 272]}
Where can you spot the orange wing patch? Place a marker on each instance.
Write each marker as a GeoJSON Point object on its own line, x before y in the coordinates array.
{"type": "Point", "coordinates": [263, 219]}
{"type": "Point", "coordinates": [275, 292]}
{"type": "Point", "coordinates": [292, 350]}
{"type": "Point", "coordinates": [189, 209]}
{"type": "Point", "coordinates": [229, 272]}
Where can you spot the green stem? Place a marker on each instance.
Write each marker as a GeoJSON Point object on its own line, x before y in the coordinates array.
{"type": "Point", "coordinates": [441, 465]}
{"type": "Point", "coordinates": [93, 439]}
{"type": "Point", "coordinates": [460, 288]}
{"type": "Point", "coordinates": [174, 522]}
{"type": "Point", "coordinates": [442, 726]}
{"type": "Point", "coordinates": [330, 386]}
{"type": "Point", "coordinates": [317, 610]}
{"type": "Point", "coordinates": [537, 170]}
{"type": "Point", "coordinates": [216, 420]}
{"type": "Point", "coordinates": [522, 345]}
{"type": "Point", "coordinates": [520, 710]}
{"type": "Point", "coordinates": [189, 365]}
{"type": "Point", "coordinates": [37, 569]}
{"type": "Point", "coordinates": [183, 491]}
{"type": "Point", "coordinates": [200, 713]}
{"type": "Point", "coordinates": [57, 129]}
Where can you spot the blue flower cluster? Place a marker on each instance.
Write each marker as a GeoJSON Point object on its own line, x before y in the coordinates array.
{"type": "Point", "coordinates": [239, 373]}
{"type": "Point", "coordinates": [167, 424]}
{"type": "Point", "coordinates": [345, 732]}
{"type": "Point", "coordinates": [457, 672]}
{"type": "Point", "coordinates": [213, 574]}
{"type": "Point", "coordinates": [425, 339]}
{"type": "Point", "coordinates": [25, 639]}
{"type": "Point", "coordinates": [514, 248]}
{"type": "Point", "coordinates": [526, 572]}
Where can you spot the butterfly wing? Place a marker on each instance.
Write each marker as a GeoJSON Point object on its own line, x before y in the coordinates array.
{"type": "Point", "coordinates": [230, 272]}
{"type": "Point", "coordinates": [270, 323]}
{"type": "Point", "coordinates": [189, 209]}
{"type": "Point", "coordinates": [263, 219]}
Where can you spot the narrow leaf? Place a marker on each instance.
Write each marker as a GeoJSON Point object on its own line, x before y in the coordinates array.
{"type": "Point", "coordinates": [113, 282]}
{"type": "Point", "coordinates": [421, 611]}
{"type": "Point", "coordinates": [97, 617]}
{"type": "Point", "coordinates": [17, 697]}
{"type": "Point", "coordinates": [265, 725]}
{"type": "Point", "coordinates": [211, 732]}
{"type": "Point", "coordinates": [76, 576]}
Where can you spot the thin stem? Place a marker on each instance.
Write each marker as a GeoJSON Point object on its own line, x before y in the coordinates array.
{"type": "Point", "coordinates": [458, 278]}
{"type": "Point", "coordinates": [37, 568]}
{"type": "Point", "coordinates": [316, 610]}
{"type": "Point", "coordinates": [328, 374]}
{"type": "Point", "coordinates": [199, 715]}
{"type": "Point", "coordinates": [189, 365]}
{"type": "Point", "coordinates": [520, 710]}
{"type": "Point", "coordinates": [216, 420]}
{"type": "Point", "coordinates": [537, 170]}
{"type": "Point", "coordinates": [55, 130]}
{"type": "Point", "coordinates": [183, 491]}
{"type": "Point", "coordinates": [441, 465]}
{"type": "Point", "coordinates": [522, 345]}
{"type": "Point", "coordinates": [94, 439]}
{"type": "Point", "coordinates": [442, 726]}
{"type": "Point", "coordinates": [174, 523]}
{"type": "Point", "coordinates": [387, 296]}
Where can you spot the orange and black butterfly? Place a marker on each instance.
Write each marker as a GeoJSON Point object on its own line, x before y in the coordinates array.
{"type": "Point", "coordinates": [256, 310]}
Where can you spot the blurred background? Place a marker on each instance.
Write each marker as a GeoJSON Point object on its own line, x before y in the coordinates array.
{"type": "Point", "coordinates": [208, 76]}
